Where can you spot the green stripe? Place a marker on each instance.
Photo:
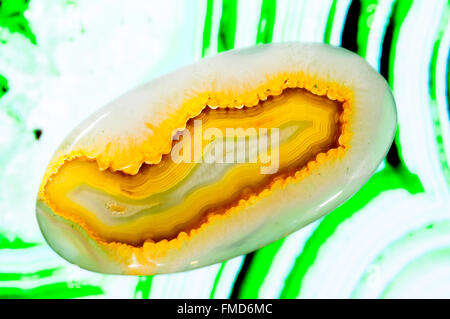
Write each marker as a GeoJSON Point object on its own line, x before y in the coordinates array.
{"type": "Point", "coordinates": [258, 270]}
{"type": "Point", "coordinates": [329, 27]}
{"type": "Point", "coordinates": [433, 93]}
{"type": "Point", "coordinates": [227, 27]}
{"type": "Point", "coordinates": [29, 276]}
{"type": "Point", "coordinates": [16, 243]}
{"type": "Point", "coordinates": [400, 10]}
{"type": "Point", "coordinates": [59, 290]}
{"type": "Point", "coordinates": [266, 22]}
{"type": "Point", "coordinates": [207, 27]}
{"type": "Point", "coordinates": [217, 279]}
{"type": "Point", "coordinates": [387, 179]}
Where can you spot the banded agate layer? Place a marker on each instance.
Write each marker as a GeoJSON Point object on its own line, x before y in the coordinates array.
{"type": "Point", "coordinates": [143, 187]}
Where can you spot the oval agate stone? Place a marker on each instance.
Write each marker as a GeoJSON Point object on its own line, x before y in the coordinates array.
{"type": "Point", "coordinates": [216, 159]}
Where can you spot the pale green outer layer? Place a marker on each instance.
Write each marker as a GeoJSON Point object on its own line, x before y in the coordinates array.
{"type": "Point", "coordinates": [372, 124]}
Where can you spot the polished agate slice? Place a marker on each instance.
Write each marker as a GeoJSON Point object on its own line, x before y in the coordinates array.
{"type": "Point", "coordinates": [216, 160]}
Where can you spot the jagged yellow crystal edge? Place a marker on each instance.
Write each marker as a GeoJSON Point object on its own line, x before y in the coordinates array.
{"type": "Point", "coordinates": [162, 142]}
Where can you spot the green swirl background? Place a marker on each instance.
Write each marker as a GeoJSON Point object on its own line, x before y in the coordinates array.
{"type": "Point", "coordinates": [61, 60]}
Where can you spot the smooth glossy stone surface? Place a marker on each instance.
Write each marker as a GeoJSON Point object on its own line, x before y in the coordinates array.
{"type": "Point", "coordinates": [217, 159]}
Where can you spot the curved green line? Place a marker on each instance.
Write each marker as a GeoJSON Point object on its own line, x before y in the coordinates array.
{"type": "Point", "coordinates": [329, 26]}
{"type": "Point", "coordinates": [387, 179]}
{"type": "Point", "coordinates": [16, 243]}
{"type": "Point", "coordinates": [445, 17]}
{"type": "Point", "coordinates": [266, 22]}
{"type": "Point", "coordinates": [259, 268]}
{"type": "Point", "coordinates": [227, 26]}
{"type": "Point", "coordinates": [435, 254]}
{"type": "Point", "coordinates": [59, 290]}
{"type": "Point", "coordinates": [217, 279]}
{"type": "Point", "coordinates": [441, 226]}
{"type": "Point", "coordinates": [29, 276]}
{"type": "Point", "coordinates": [207, 27]}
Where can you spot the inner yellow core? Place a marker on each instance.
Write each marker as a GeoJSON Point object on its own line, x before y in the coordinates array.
{"type": "Point", "coordinates": [165, 199]}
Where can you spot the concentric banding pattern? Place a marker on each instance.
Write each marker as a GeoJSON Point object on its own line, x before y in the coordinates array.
{"type": "Point", "coordinates": [153, 112]}
{"type": "Point", "coordinates": [62, 67]}
{"type": "Point", "coordinates": [167, 198]}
